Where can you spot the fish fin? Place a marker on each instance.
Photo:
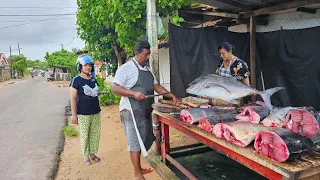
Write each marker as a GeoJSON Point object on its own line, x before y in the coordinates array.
{"type": "Point", "coordinates": [267, 94]}
{"type": "Point", "coordinates": [232, 101]}
{"type": "Point", "coordinates": [209, 85]}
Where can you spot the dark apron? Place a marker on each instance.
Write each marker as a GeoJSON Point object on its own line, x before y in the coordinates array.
{"type": "Point", "coordinates": [142, 109]}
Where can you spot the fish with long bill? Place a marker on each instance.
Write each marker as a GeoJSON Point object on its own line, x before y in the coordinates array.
{"type": "Point", "coordinates": [227, 88]}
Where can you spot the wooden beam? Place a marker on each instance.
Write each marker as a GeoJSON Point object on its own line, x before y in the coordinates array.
{"type": "Point", "coordinates": [253, 54]}
{"type": "Point", "coordinates": [212, 13]}
{"type": "Point", "coordinates": [281, 7]}
{"type": "Point", "coordinates": [307, 10]}
{"type": "Point", "coordinates": [259, 21]}
{"type": "Point", "coordinates": [228, 2]}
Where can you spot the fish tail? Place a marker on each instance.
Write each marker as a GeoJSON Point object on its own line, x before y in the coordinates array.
{"type": "Point", "coordinates": [267, 94]}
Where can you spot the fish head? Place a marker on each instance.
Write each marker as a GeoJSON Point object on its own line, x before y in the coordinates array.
{"type": "Point", "coordinates": [196, 87]}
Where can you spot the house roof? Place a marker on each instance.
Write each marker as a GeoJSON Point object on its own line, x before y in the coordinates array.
{"type": "Point", "coordinates": [247, 8]}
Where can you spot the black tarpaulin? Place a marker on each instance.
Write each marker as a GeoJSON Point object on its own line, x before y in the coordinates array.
{"type": "Point", "coordinates": [287, 58]}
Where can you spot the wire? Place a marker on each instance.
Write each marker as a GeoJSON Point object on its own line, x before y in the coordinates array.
{"type": "Point", "coordinates": [33, 22]}
{"type": "Point", "coordinates": [70, 42]}
{"type": "Point", "coordinates": [37, 14]}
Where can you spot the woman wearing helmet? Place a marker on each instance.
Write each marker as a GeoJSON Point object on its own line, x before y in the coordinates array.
{"type": "Point", "coordinates": [85, 108]}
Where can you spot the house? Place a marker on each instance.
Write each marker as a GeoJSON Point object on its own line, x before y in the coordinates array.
{"type": "Point", "coordinates": [3, 60]}
{"type": "Point", "coordinates": [62, 73]}
{"type": "Point", "coordinates": [5, 72]}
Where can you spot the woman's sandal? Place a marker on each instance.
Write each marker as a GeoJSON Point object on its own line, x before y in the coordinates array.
{"type": "Point", "coordinates": [95, 159]}
{"type": "Point", "coordinates": [87, 162]}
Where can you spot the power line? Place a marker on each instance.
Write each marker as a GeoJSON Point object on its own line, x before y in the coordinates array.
{"type": "Point", "coordinates": [33, 22]}
{"type": "Point", "coordinates": [37, 14]}
{"type": "Point", "coordinates": [70, 41]}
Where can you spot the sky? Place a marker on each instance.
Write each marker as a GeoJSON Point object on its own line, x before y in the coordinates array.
{"type": "Point", "coordinates": [45, 35]}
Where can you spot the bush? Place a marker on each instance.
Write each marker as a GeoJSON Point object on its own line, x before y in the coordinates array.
{"type": "Point", "coordinates": [109, 97]}
{"type": "Point", "coordinates": [69, 131]}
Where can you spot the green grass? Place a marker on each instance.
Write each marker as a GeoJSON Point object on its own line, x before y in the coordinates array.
{"type": "Point", "coordinates": [69, 131]}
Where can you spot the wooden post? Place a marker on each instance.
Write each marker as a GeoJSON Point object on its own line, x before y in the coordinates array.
{"type": "Point", "coordinates": [253, 54]}
{"type": "Point", "coordinates": [153, 37]}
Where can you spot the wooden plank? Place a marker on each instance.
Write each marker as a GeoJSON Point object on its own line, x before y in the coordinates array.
{"type": "Point", "coordinates": [227, 152]}
{"type": "Point", "coordinates": [307, 10]}
{"type": "Point", "coordinates": [300, 167]}
{"type": "Point", "coordinates": [180, 167]}
{"type": "Point", "coordinates": [259, 21]}
{"type": "Point", "coordinates": [228, 2]}
{"type": "Point", "coordinates": [253, 55]}
{"type": "Point", "coordinates": [213, 13]}
{"type": "Point", "coordinates": [281, 7]}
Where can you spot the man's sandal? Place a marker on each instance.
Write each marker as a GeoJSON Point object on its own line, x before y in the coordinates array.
{"type": "Point", "coordinates": [147, 171]}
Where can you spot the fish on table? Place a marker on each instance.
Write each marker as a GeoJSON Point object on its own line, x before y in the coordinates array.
{"type": "Point", "coordinates": [227, 88]}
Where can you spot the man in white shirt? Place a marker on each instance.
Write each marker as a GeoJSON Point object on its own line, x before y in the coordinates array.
{"type": "Point", "coordinates": [133, 81]}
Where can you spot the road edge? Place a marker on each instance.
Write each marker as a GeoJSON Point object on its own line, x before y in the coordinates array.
{"type": "Point", "coordinates": [60, 148]}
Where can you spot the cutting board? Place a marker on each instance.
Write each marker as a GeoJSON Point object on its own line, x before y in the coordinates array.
{"type": "Point", "coordinates": [166, 108]}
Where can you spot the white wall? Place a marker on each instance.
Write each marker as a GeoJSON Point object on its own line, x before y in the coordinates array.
{"type": "Point", "coordinates": [164, 67]}
{"type": "Point", "coordinates": [290, 20]}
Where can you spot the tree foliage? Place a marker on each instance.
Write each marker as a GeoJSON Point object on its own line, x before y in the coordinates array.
{"type": "Point", "coordinates": [33, 63]}
{"type": "Point", "coordinates": [19, 63]}
{"type": "Point", "coordinates": [111, 27]}
{"type": "Point", "coordinates": [62, 58]}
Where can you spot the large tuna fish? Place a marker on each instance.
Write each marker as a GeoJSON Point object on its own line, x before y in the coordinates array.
{"type": "Point", "coordinates": [281, 144]}
{"type": "Point", "coordinates": [277, 118]}
{"type": "Point", "coordinates": [239, 133]}
{"type": "Point", "coordinates": [227, 89]}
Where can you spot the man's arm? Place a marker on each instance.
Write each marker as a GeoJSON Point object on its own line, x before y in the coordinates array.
{"type": "Point", "coordinates": [122, 91]}
{"type": "Point", "coordinates": [160, 89]}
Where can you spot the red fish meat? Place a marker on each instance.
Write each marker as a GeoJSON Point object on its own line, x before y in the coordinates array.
{"type": "Point", "coordinates": [207, 123]}
{"type": "Point", "coordinates": [194, 115]}
{"type": "Point", "coordinates": [253, 114]}
{"type": "Point", "coordinates": [239, 133]}
{"type": "Point", "coordinates": [281, 144]}
{"type": "Point", "coordinates": [304, 121]}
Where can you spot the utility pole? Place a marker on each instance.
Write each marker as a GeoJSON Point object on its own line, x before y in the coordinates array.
{"type": "Point", "coordinates": [61, 46]}
{"type": "Point", "coordinates": [154, 57]}
{"type": "Point", "coordinates": [11, 70]}
{"type": "Point", "coordinates": [19, 49]}
{"type": "Point", "coordinates": [153, 37]}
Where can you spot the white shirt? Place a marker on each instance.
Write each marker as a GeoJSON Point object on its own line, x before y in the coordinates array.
{"type": "Point", "coordinates": [127, 76]}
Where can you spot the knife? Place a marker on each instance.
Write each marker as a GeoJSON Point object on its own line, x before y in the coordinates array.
{"type": "Point", "coordinates": [151, 96]}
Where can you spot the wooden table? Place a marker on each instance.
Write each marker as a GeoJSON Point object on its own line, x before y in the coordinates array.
{"type": "Point", "coordinates": [306, 167]}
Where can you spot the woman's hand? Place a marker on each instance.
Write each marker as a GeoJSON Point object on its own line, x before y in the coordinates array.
{"type": "Point", "coordinates": [75, 120]}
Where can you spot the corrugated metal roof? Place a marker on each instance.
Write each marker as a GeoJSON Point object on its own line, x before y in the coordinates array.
{"type": "Point", "coordinates": [240, 5]}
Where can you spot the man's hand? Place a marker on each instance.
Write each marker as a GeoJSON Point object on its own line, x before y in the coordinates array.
{"type": "Point", "coordinates": [75, 120]}
{"type": "Point", "coordinates": [176, 100]}
{"type": "Point", "coordinates": [139, 96]}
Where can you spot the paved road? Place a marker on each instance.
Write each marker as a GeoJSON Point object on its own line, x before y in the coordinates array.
{"type": "Point", "coordinates": [31, 116]}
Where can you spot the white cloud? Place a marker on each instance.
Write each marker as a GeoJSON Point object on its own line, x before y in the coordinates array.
{"type": "Point", "coordinates": [37, 38]}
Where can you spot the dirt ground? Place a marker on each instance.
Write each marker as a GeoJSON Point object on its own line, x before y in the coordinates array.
{"type": "Point", "coordinates": [13, 81]}
{"type": "Point", "coordinates": [115, 162]}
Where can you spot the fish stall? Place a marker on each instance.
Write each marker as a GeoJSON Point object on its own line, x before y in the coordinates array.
{"type": "Point", "coordinates": [277, 143]}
